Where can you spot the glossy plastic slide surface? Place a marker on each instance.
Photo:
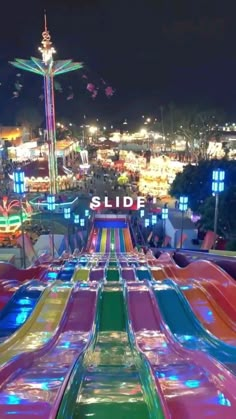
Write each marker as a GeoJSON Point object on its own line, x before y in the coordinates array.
{"type": "Point", "coordinates": [210, 314]}
{"type": "Point", "coordinates": [103, 240]}
{"type": "Point", "coordinates": [127, 240]}
{"type": "Point", "coordinates": [186, 327]}
{"type": "Point", "coordinates": [208, 310]}
{"type": "Point", "coordinates": [105, 383]}
{"type": "Point", "coordinates": [40, 326]}
{"type": "Point", "coordinates": [200, 270]}
{"type": "Point", "coordinates": [36, 390]}
{"type": "Point", "coordinates": [7, 289]}
{"type": "Point", "coordinates": [8, 271]}
{"type": "Point", "coordinates": [193, 385]}
{"type": "Point", "coordinates": [81, 274]}
{"type": "Point", "coordinates": [19, 308]}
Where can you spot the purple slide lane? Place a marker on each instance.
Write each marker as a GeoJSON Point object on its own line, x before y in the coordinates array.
{"type": "Point", "coordinates": [192, 383]}
{"type": "Point", "coordinates": [97, 274]}
{"type": "Point", "coordinates": [117, 240]}
{"type": "Point", "coordinates": [128, 274]}
{"type": "Point", "coordinates": [36, 389]}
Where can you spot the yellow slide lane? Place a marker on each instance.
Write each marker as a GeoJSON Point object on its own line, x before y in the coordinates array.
{"type": "Point", "coordinates": [103, 240]}
{"type": "Point", "coordinates": [81, 274]}
{"type": "Point", "coordinates": [41, 325]}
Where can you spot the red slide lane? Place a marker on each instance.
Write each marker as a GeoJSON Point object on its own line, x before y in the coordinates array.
{"type": "Point", "coordinates": [8, 271]}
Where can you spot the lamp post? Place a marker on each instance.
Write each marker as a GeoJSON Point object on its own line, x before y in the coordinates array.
{"type": "Point", "coordinates": [51, 204]}
{"type": "Point", "coordinates": [164, 216]}
{"type": "Point", "coordinates": [183, 206]}
{"type": "Point", "coordinates": [218, 177]}
{"type": "Point", "coordinates": [67, 215]}
{"type": "Point", "coordinates": [19, 188]}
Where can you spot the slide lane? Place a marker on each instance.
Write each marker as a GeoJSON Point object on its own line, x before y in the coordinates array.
{"type": "Point", "coordinates": [106, 383]}
{"type": "Point", "coordinates": [8, 271]}
{"type": "Point", "coordinates": [210, 314]}
{"type": "Point", "coordinates": [36, 390]}
{"type": "Point", "coordinates": [203, 271]}
{"type": "Point", "coordinates": [103, 241]}
{"type": "Point", "coordinates": [108, 241]}
{"type": "Point", "coordinates": [187, 328]}
{"type": "Point", "coordinates": [98, 241]}
{"type": "Point", "coordinates": [7, 289]}
{"type": "Point", "coordinates": [112, 241]}
{"type": "Point", "coordinates": [122, 247]}
{"type": "Point", "coordinates": [19, 308]}
{"type": "Point", "coordinates": [191, 384]}
{"type": "Point", "coordinates": [215, 314]}
{"type": "Point", "coordinates": [127, 240]}
{"type": "Point", "coordinates": [40, 326]}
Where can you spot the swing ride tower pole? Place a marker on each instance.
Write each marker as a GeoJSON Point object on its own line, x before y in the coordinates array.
{"type": "Point", "coordinates": [51, 132]}
{"type": "Point", "coordinates": [48, 68]}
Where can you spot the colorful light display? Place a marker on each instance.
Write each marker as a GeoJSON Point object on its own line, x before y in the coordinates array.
{"type": "Point", "coordinates": [48, 68]}
{"type": "Point", "coordinates": [10, 218]}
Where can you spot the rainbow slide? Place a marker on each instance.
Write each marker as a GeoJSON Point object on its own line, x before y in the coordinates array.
{"type": "Point", "coordinates": [161, 344]}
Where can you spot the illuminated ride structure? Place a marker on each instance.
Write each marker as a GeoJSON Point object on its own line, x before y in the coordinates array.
{"type": "Point", "coordinates": [48, 68]}
{"type": "Point", "coordinates": [10, 218]}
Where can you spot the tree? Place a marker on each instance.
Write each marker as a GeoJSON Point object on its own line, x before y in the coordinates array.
{"type": "Point", "coordinates": [226, 224]}
{"type": "Point", "coordinates": [195, 126]}
{"type": "Point", "coordinates": [196, 182]}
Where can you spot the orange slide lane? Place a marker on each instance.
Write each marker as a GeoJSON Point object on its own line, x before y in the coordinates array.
{"type": "Point", "coordinates": [127, 240]}
{"type": "Point", "coordinates": [211, 315]}
{"type": "Point", "coordinates": [203, 271]}
{"type": "Point", "coordinates": [200, 295]}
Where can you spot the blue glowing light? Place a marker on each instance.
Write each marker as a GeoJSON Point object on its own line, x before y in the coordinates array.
{"type": "Point", "coordinates": [192, 383]}
{"type": "Point", "coordinates": [173, 377]}
{"type": "Point", "coordinates": [19, 182]}
{"type": "Point", "coordinates": [223, 400]}
{"type": "Point", "coordinates": [51, 202]}
{"type": "Point", "coordinates": [164, 213]}
{"type": "Point", "coordinates": [52, 275]}
{"type": "Point", "coordinates": [183, 203]}
{"type": "Point", "coordinates": [218, 177]}
{"type": "Point", "coordinates": [141, 213]}
{"type": "Point", "coordinates": [146, 222]}
{"type": "Point", "coordinates": [67, 213]}
{"type": "Point", "coordinates": [12, 399]}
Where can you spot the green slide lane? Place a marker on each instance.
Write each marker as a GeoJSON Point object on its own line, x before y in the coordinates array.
{"type": "Point", "coordinates": [112, 315]}
{"type": "Point", "coordinates": [112, 274]}
{"type": "Point", "coordinates": [106, 383]}
{"type": "Point", "coordinates": [112, 242]}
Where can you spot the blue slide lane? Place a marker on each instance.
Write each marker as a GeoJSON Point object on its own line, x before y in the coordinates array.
{"type": "Point", "coordinates": [19, 308]}
{"type": "Point", "coordinates": [110, 223]}
{"type": "Point", "coordinates": [143, 273]}
{"type": "Point", "coordinates": [122, 242]}
{"type": "Point", "coordinates": [185, 326]}
{"type": "Point", "coordinates": [99, 236]}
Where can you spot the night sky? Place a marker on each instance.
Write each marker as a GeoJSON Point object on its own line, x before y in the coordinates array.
{"type": "Point", "coordinates": [152, 52]}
